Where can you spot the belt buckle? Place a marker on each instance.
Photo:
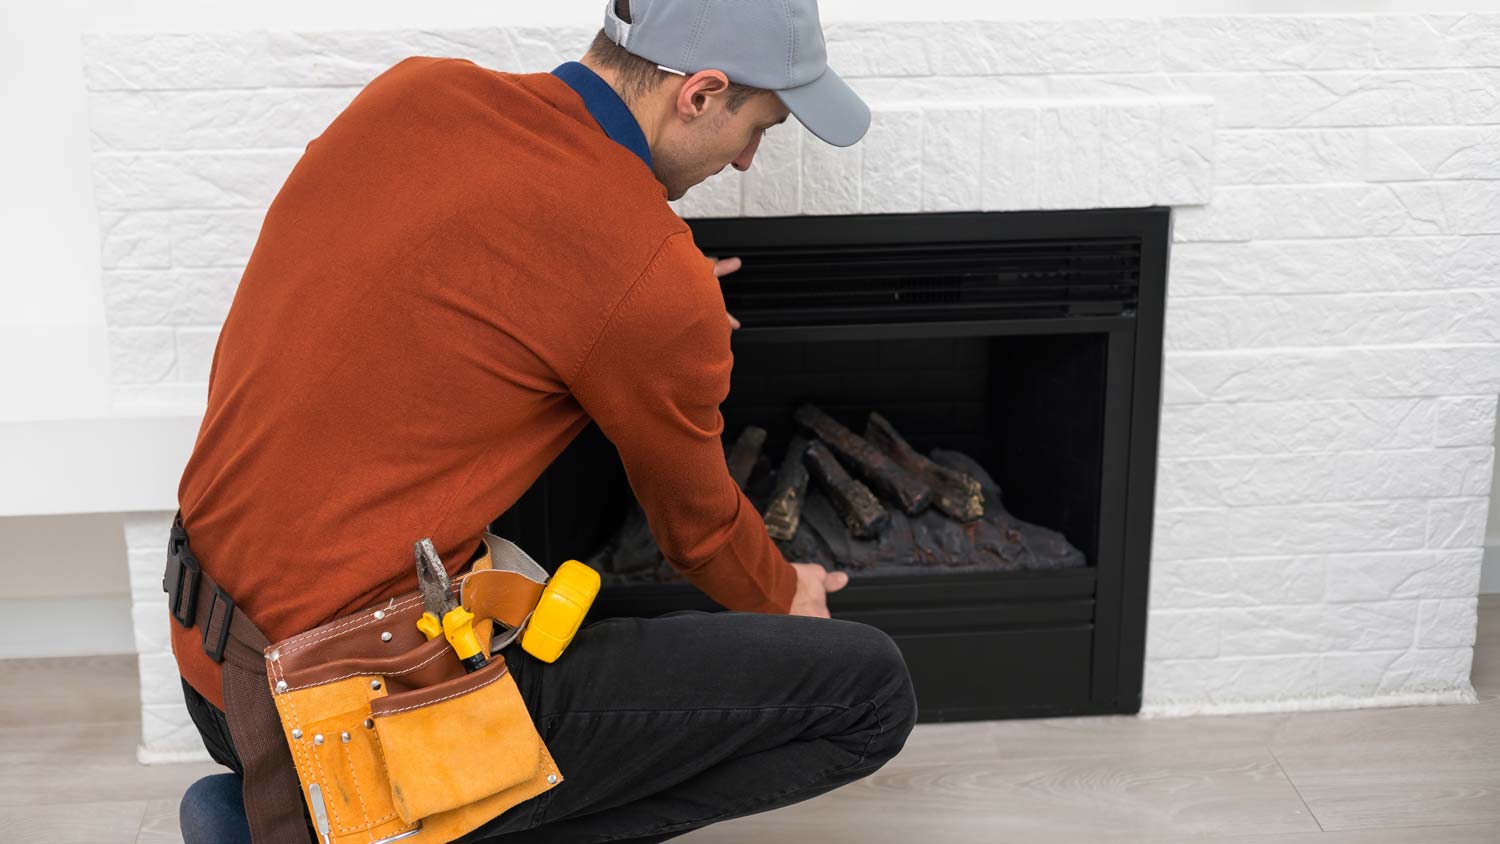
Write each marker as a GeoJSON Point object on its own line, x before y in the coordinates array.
{"type": "Point", "coordinates": [180, 581]}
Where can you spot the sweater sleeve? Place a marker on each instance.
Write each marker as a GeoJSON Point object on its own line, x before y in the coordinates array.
{"type": "Point", "coordinates": [653, 381]}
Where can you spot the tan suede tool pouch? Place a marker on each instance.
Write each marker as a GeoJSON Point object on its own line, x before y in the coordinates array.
{"type": "Point", "coordinates": [460, 742]}
{"type": "Point", "coordinates": [392, 740]}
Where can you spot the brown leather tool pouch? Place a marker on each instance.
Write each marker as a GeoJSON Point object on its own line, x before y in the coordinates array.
{"type": "Point", "coordinates": [391, 739]}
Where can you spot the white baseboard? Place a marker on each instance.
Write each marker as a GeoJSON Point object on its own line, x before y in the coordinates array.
{"type": "Point", "coordinates": [1489, 571]}
{"type": "Point", "coordinates": [86, 626]}
{"type": "Point", "coordinates": [1312, 704]}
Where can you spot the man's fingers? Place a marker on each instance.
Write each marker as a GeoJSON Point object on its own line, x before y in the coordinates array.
{"type": "Point", "coordinates": [811, 599]}
{"type": "Point", "coordinates": [726, 266]}
{"type": "Point", "coordinates": [721, 269]}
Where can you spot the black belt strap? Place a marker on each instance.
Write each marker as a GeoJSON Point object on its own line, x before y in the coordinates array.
{"type": "Point", "coordinates": [272, 793]}
{"type": "Point", "coordinates": [195, 600]}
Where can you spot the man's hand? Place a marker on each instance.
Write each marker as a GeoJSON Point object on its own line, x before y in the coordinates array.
{"type": "Point", "coordinates": [721, 269]}
{"type": "Point", "coordinates": [813, 584]}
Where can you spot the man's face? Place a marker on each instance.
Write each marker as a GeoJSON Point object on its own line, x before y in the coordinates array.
{"type": "Point", "coordinates": [692, 150]}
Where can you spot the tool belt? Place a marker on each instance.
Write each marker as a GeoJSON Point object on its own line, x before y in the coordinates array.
{"type": "Point", "coordinates": [381, 732]}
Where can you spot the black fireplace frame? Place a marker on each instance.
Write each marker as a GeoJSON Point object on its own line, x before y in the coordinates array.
{"type": "Point", "coordinates": [1036, 625]}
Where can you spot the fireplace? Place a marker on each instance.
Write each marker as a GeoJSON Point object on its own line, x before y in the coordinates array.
{"type": "Point", "coordinates": [1026, 343]}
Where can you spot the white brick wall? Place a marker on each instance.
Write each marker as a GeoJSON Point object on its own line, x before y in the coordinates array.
{"type": "Point", "coordinates": [1333, 321]}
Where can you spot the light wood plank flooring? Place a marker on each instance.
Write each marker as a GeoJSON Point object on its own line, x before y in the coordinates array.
{"type": "Point", "coordinates": [1415, 775]}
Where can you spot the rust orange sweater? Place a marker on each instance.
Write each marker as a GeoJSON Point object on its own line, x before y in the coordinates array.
{"type": "Point", "coordinates": [458, 274]}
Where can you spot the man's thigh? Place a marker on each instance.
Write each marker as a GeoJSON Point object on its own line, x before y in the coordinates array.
{"type": "Point", "coordinates": [635, 706]}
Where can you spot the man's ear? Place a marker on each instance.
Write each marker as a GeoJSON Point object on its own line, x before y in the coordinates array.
{"type": "Point", "coordinates": [698, 90]}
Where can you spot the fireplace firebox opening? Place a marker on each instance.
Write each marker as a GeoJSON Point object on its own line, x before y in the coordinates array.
{"type": "Point", "coordinates": [1010, 361]}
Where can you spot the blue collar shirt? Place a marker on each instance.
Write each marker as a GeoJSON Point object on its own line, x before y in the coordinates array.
{"type": "Point", "coordinates": [607, 108]}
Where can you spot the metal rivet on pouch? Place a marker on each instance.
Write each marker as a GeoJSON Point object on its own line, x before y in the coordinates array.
{"type": "Point", "coordinates": [344, 737]}
{"type": "Point", "coordinates": [318, 739]}
{"type": "Point", "coordinates": [369, 724]}
{"type": "Point", "coordinates": [552, 778]}
{"type": "Point", "coordinates": [379, 614]}
{"type": "Point", "coordinates": [273, 655]}
{"type": "Point", "coordinates": [280, 686]}
{"type": "Point", "coordinates": [386, 636]}
{"type": "Point", "coordinates": [296, 734]}
{"type": "Point", "coordinates": [375, 684]}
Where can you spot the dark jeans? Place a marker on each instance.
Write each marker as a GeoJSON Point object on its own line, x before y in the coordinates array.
{"type": "Point", "coordinates": [661, 726]}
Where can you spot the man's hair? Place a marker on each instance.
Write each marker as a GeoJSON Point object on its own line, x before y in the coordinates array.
{"type": "Point", "coordinates": [637, 76]}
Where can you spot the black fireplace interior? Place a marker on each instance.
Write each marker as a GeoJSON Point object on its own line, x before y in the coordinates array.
{"type": "Point", "coordinates": [1030, 342]}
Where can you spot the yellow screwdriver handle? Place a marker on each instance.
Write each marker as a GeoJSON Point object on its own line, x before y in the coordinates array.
{"type": "Point", "coordinates": [458, 626]}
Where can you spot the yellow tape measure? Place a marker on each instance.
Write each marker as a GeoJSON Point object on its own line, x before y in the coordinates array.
{"type": "Point", "coordinates": [566, 600]}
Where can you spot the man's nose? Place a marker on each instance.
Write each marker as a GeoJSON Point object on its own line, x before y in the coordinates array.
{"type": "Point", "coordinates": [742, 161]}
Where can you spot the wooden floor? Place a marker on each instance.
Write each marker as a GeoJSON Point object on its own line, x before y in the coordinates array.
{"type": "Point", "coordinates": [1416, 775]}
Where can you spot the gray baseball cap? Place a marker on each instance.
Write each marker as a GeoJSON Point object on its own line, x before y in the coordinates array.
{"type": "Point", "coordinates": [772, 44]}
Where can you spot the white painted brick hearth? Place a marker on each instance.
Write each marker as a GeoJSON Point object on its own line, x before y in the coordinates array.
{"type": "Point", "coordinates": [1333, 322]}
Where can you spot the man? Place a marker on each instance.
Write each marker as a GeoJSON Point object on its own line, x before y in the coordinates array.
{"type": "Point", "coordinates": [461, 272]}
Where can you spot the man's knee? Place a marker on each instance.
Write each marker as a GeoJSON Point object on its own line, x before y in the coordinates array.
{"type": "Point", "coordinates": [890, 692]}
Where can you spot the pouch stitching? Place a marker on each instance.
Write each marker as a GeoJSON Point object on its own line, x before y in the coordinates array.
{"type": "Point", "coordinates": [299, 750]}
{"type": "Point", "coordinates": [360, 621]}
{"type": "Point", "coordinates": [380, 749]}
{"type": "Point", "coordinates": [545, 763]}
{"type": "Point", "coordinates": [397, 673]}
{"type": "Point", "coordinates": [358, 793]}
{"type": "Point", "coordinates": [364, 620]}
{"type": "Point", "coordinates": [445, 697]}
{"type": "Point", "coordinates": [313, 761]}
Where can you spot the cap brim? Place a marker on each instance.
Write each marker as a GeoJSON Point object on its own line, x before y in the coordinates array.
{"type": "Point", "coordinates": [829, 108]}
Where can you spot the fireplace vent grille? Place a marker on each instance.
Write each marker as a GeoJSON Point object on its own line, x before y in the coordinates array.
{"type": "Point", "coordinates": [1012, 279]}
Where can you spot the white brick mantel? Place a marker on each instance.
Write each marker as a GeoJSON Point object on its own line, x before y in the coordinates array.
{"type": "Point", "coordinates": [1333, 319]}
